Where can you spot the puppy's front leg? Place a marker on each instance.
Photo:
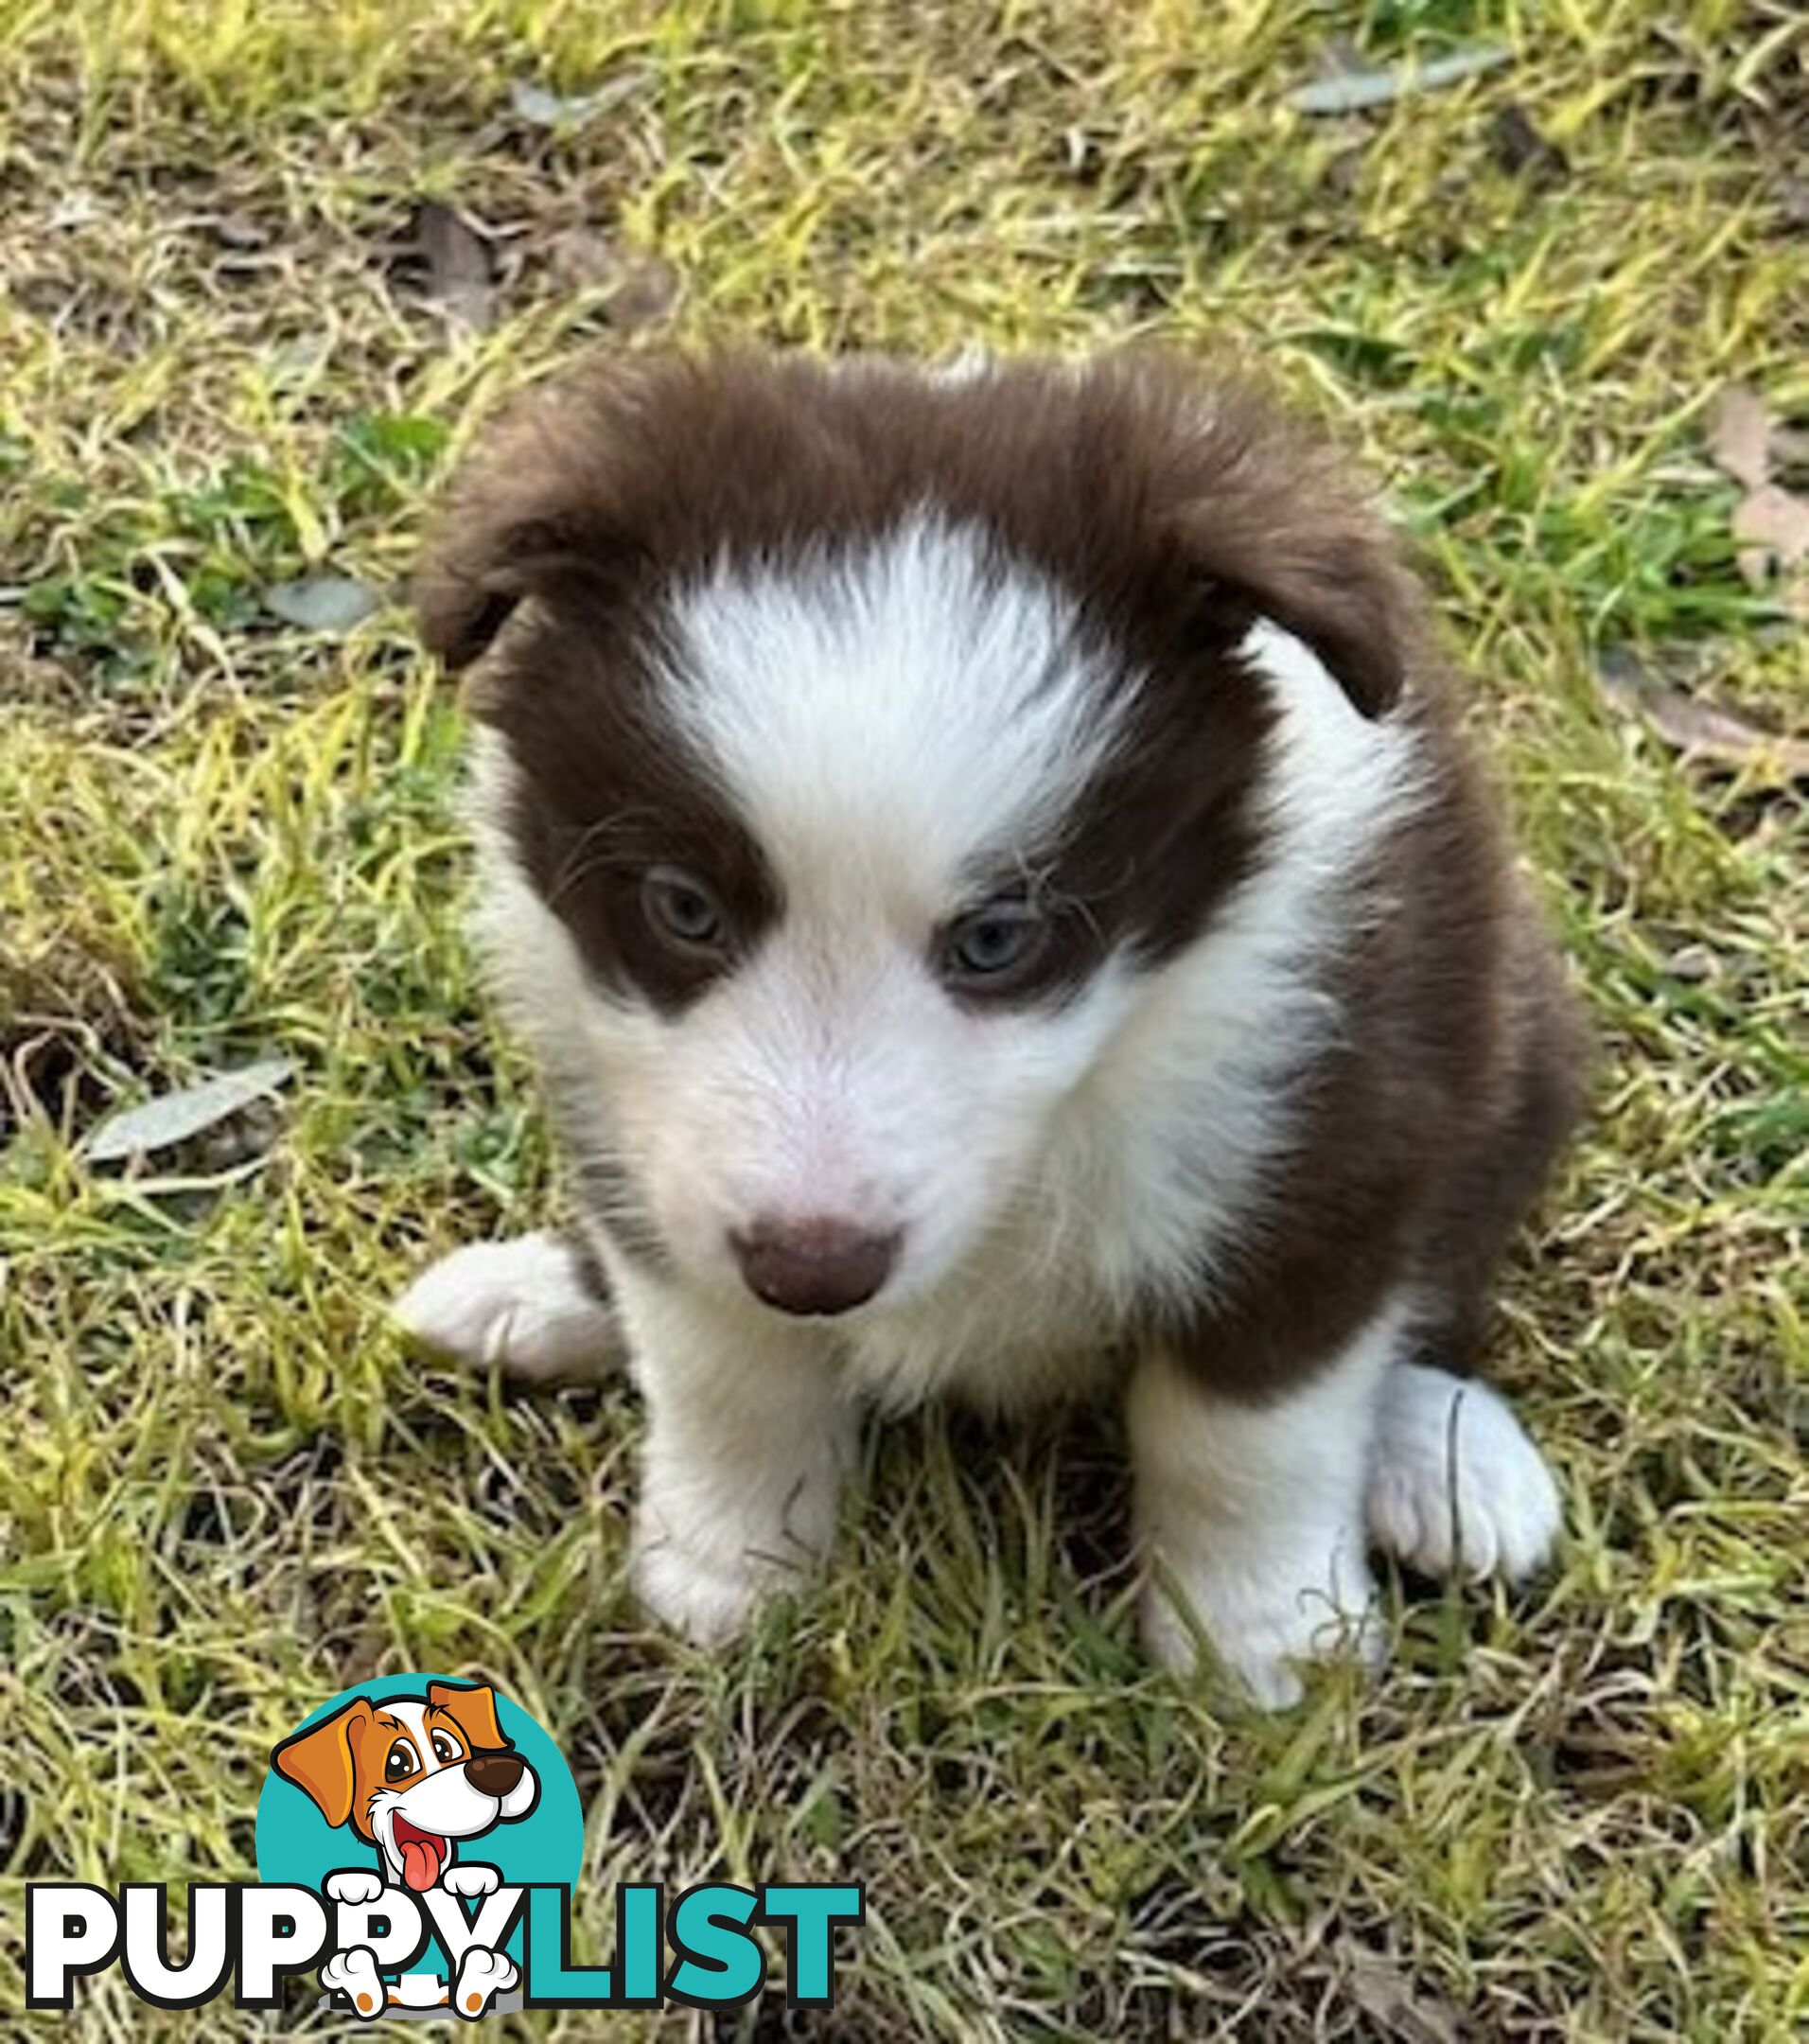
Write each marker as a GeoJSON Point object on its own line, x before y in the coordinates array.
{"type": "Point", "coordinates": [747, 1439]}
{"type": "Point", "coordinates": [529, 1306]}
{"type": "Point", "coordinates": [1253, 1515]}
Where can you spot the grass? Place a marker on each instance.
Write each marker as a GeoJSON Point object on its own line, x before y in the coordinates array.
{"type": "Point", "coordinates": [1578, 1813]}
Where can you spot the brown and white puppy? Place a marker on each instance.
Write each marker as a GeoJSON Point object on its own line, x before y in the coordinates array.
{"type": "Point", "coordinates": [987, 869]}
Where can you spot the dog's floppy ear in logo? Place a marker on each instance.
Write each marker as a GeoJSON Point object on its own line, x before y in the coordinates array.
{"type": "Point", "coordinates": [473, 1711]}
{"type": "Point", "coordinates": [321, 1761]}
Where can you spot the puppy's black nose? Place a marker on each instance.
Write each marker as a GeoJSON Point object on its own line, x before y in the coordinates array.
{"type": "Point", "coordinates": [493, 1773]}
{"type": "Point", "coordinates": [819, 1265]}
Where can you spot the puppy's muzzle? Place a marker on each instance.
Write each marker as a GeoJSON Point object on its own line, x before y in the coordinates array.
{"type": "Point", "coordinates": [820, 1265]}
{"type": "Point", "coordinates": [493, 1773]}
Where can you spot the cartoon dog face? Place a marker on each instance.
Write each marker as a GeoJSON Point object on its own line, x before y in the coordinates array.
{"type": "Point", "coordinates": [413, 1775]}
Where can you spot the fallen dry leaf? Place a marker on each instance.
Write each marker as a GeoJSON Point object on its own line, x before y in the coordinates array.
{"type": "Point", "coordinates": [1774, 526]}
{"type": "Point", "coordinates": [1698, 728]}
{"type": "Point", "coordinates": [1350, 92]}
{"type": "Point", "coordinates": [1388, 1998]}
{"type": "Point", "coordinates": [540, 107]}
{"type": "Point", "coordinates": [190, 1110]}
{"type": "Point", "coordinates": [638, 290]}
{"type": "Point", "coordinates": [459, 268]}
{"type": "Point", "coordinates": [1770, 523]}
{"type": "Point", "coordinates": [327, 602]}
{"type": "Point", "coordinates": [1740, 435]}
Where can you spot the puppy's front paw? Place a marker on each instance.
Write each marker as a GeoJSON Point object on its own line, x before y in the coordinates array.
{"type": "Point", "coordinates": [522, 1306]}
{"type": "Point", "coordinates": [704, 1597]}
{"type": "Point", "coordinates": [354, 1885]}
{"type": "Point", "coordinates": [1455, 1482]}
{"type": "Point", "coordinates": [470, 1880]}
{"type": "Point", "coordinates": [1262, 1621]}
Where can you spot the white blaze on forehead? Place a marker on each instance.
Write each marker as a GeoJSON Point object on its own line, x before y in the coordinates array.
{"type": "Point", "coordinates": [413, 1715]}
{"type": "Point", "coordinates": [886, 709]}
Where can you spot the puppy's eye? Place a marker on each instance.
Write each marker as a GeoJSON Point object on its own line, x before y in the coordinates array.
{"type": "Point", "coordinates": [992, 942]}
{"type": "Point", "coordinates": [682, 909]}
{"type": "Point", "coordinates": [445, 1750]}
{"type": "Point", "coordinates": [400, 1760]}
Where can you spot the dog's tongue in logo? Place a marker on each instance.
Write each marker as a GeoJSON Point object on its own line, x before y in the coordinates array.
{"type": "Point", "coordinates": [422, 1855]}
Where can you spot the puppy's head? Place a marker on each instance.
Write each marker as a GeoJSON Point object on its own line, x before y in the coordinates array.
{"type": "Point", "coordinates": [861, 745]}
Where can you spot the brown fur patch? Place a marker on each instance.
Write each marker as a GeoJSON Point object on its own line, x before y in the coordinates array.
{"type": "Point", "coordinates": [1431, 1122]}
{"type": "Point", "coordinates": [1160, 501]}
{"type": "Point", "coordinates": [605, 794]}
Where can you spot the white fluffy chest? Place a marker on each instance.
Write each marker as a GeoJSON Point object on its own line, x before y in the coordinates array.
{"type": "Point", "coordinates": [1006, 1346]}
{"type": "Point", "coordinates": [1140, 1196]}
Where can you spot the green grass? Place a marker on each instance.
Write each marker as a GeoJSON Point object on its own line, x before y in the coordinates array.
{"type": "Point", "coordinates": [1582, 1812]}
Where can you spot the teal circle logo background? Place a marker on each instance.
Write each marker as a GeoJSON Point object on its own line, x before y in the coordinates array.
{"type": "Point", "coordinates": [296, 1843]}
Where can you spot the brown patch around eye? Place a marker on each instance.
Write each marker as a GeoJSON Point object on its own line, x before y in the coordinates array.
{"type": "Point", "coordinates": [1059, 948]}
{"type": "Point", "coordinates": [1062, 966]}
{"type": "Point", "coordinates": [606, 793]}
{"type": "Point", "coordinates": [1169, 827]}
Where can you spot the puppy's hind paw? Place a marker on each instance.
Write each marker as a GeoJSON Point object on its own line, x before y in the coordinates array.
{"type": "Point", "coordinates": [1264, 1631]}
{"type": "Point", "coordinates": [354, 1975]}
{"type": "Point", "coordinates": [525, 1307]}
{"type": "Point", "coordinates": [483, 1976]}
{"type": "Point", "coordinates": [1456, 1483]}
{"type": "Point", "coordinates": [705, 1598]}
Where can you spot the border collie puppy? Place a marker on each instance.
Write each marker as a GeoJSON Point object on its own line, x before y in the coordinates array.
{"type": "Point", "coordinates": [987, 869]}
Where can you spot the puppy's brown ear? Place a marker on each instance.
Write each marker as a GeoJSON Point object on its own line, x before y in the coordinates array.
{"type": "Point", "coordinates": [321, 1761]}
{"type": "Point", "coordinates": [473, 1710]}
{"type": "Point", "coordinates": [498, 539]}
{"type": "Point", "coordinates": [1267, 522]}
{"type": "Point", "coordinates": [532, 508]}
{"type": "Point", "coordinates": [1334, 583]}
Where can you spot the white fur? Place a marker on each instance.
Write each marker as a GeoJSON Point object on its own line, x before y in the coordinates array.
{"type": "Point", "coordinates": [747, 1439]}
{"type": "Point", "coordinates": [884, 719]}
{"type": "Point", "coordinates": [521, 1305]}
{"type": "Point", "coordinates": [1253, 1515]}
{"type": "Point", "coordinates": [889, 711]}
{"type": "Point", "coordinates": [1456, 1484]}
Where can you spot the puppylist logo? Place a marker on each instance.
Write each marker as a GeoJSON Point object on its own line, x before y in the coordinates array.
{"type": "Point", "coordinates": [418, 1840]}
